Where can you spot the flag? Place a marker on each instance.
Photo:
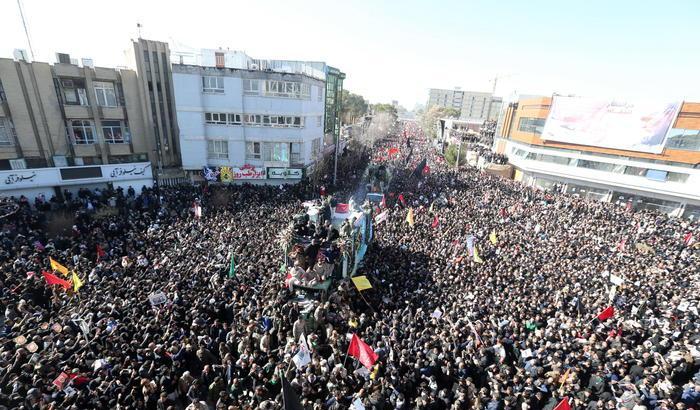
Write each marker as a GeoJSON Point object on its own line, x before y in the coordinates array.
{"type": "Point", "coordinates": [198, 211]}
{"type": "Point", "coordinates": [616, 280]}
{"type": "Point", "coordinates": [383, 203]}
{"type": "Point", "coordinates": [100, 253]}
{"type": "Point", "coordinates": [564, 379]}
{"type": "Point", "coordinates": [621, 245]}
{"type": "Point", "coordinates": [303, 357]}
{"type": "Point", "coordinates": [361, 283]}
{"type": "Point", "coordinates": [563, 404]}
{"type": "Point", "coordinates": [607, 313]}
{"type": "Point", "coordinates": [432, 207]}
{"type": "Point", "coordinates": [426, 170]}
{"type": "Point", "coordinates": [77, 283]}
{"type": "Point", "coordinates": [38, 246]}
{"type": "Point", "coordinates": [436, 222]}
{"type": "Point", "coordinates": [342, 208]}
{"type": "Point", "coordinates": [688, 239]}
{"type": "Point", "coordinates": [290, 399]}
{"type": "Point", "coordinates": [362, 352]}
{"type": "Point", "coordinates": [232, 268]}
{"type": "Point", "coordinates": [402, 200]}
{"type": "Point", "coordinates": [52, 279]}
{"type": "Point", "coordinates": [58, 267]}
{"type": "Point", "coordinates": [470, 244]}
{"type": "Point", "coordinates": [409, 217]}
{"type": "Point", "coordinates": [477, 258]}
{"type": "Point", "coordinates": [381, 217]}
{"type": "Point", "coordinates": [393, 151]}
{"type": "Point", "coordinates": [493, 238]}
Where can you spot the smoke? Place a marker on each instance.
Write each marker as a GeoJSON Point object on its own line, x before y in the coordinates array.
{"type": "Point", "coordinates": [381, 125]}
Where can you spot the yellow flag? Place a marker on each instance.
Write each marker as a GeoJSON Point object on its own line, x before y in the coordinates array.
{"type": "Point", "coordinates": [493, 238]}
{"type": "Point", "coordinates": [374, 373]}
{"type": "Point", "coordinates": [477, 258]}
{"type": "Point", "coordinates": [58, 267]}
{"type": "Point", "coordinates": [77, 283]}
{"type": "Point", "coordinates": [564, 379]}
{"type": "Point", "coordinates": [361, 283]}
{"type": "Point", "coordinates": [409, 217]}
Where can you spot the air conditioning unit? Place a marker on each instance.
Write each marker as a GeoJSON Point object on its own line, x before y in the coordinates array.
{"type": "Point", "coordinates": [87, 62]}
{"type": "Point", "coordinates": [20, 55]}
{"type": "Point", "coordinates": [62, 58]}
{"type": "Point", "coordinates": [18, 163]}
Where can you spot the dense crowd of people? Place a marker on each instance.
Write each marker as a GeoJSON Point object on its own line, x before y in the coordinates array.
{"type": "Point", "coordinates": [488, 299]}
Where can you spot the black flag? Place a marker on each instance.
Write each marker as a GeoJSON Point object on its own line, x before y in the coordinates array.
{"type": "Point", "coordinates": [289, 396]}
{"type": "Point", "coordinates": [418, 172]}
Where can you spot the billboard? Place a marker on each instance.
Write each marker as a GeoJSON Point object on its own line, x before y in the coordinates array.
{"type": "Point", "coordinates": [632, 126]}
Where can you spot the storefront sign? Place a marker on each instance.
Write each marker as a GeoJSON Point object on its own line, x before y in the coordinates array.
{"type": "Point", "coordinates": [229, 174]}
{"type": "Point", "coordinates": [20, 177]}
{"type": "Point", "coordinates": [130, 171]}
{"type": "Point", "coordinates": [284, 173]}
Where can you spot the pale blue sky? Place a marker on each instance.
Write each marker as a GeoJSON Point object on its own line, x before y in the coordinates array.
{"type": "Point", "coordinates": [399, 49]}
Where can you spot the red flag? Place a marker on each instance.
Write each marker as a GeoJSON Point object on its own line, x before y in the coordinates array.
{"type": "Point", "coordinates": [563, 404]}
{"type": "Point", "coordinates": [383, 203]}
{"type": "Point", "coordinates": [426, 170]}
{"type": "Point", "coordinates": [688, 239]}
{"type": "Point", "coordinates": [436, 222]}
{"type": "Point", "coordinates": [100, 253]}
{"type": "Point", "coordinates": [342, 208]}
{"type": "Point", "coordinates": [403, 202]}
{"type": "Point", "coordinates": [393, 151]}
{"type": "Point", "coordinates": [362, 352]}
{"type": "Point", "coordinates": [52, 279]}
{"type": "Point", "coordinates": [607, 313]}
{"type": "Point", "coordinates": [621, 245]}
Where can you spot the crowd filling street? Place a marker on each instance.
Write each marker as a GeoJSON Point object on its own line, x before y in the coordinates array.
{"type": "Point", "coordinates": [485, 294]}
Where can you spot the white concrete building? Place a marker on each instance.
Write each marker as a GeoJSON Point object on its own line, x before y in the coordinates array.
{"type": "Point", "coordinates": [247, 123]}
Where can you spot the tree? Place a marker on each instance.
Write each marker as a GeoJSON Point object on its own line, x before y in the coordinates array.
{"type": "Point", "coordinates": [451, 155]}
{"type": "Point", "coordinates": [354, 106]}
{"type": "Point", "coordinates": [429, 119]}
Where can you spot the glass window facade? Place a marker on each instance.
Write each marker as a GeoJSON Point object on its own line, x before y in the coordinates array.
{"type": "Point", "coordinates": [688, 140]}
{"type": "Point", "coordinates": [533, 125]}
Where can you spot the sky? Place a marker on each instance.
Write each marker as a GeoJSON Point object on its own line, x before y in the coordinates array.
{"type": "Point", "coordinates": [397, 50]}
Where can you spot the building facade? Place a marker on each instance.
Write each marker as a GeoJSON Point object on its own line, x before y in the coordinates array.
{"type": "Point", "coordinates": [668, 181]}
{"type": "Point", "coordinates": [472, 105]}
{"type": "Point", "coordinates": [67, 125]}
{"type": "Point", "coordinates": [247, 124]}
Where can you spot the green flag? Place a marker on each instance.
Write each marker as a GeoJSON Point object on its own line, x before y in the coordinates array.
{"type": "Point", "coordinates": [232, 269]}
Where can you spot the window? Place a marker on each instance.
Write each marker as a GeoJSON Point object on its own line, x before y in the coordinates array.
{"type": "Point", "coordinates": [251, 87]}
{"type": "Point", "coordinates": [213, 84]}
{"type": "Point", "coordinates": [2, 93]}
{"type": "Point", "coordinates": [217, 149]}
{"type": "Point", "coordinates": [319, 120]}
{"type": "Point", "coordinates": [74, 91]}
{"type": "Point", "coordinates": [683, 139]}
{"type": "Point", "coordinates": [599, 166]}
{"type": "Point", "coordinates": [234, 119]}
{"type": "Point", "coordinates": [295, 156]}
{"type": "Point", "coordinates": [6, 132]}
{"type": "Point", "coordinates": [320, 94]}
{"type": "Point", "coordinates": [276, 151]}
{"type": "Point", "coordinates": [104, 92]}
{"type": "Point", "coordinates": [82, 132]}
{"type": "Point", "coordinates": [288, 89]}
{"type": "Point", "coordinates": [252, 150]}
{"type": "Point", "coordinates": [215, 118]}
{"type": "Point", "coordinates": [656, 175]}
{"type": "Point", "coordinates": [113, 133]}
{"type": "Point", "coordinates": [636, 171]}
{"type": "Point", "coordinates": [534, 125]}
{"type": "Point", "coordinates": [316, 146]}
{"type": "Point", "coordinates": [219, 60]}
{"type": "Point", "coordinates": [676, 177]}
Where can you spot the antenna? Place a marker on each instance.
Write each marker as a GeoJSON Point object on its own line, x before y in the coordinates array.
{"type": "Point", "coordinates": [26, 31]}
{"type": "Point", "coordinates": [138, 27]}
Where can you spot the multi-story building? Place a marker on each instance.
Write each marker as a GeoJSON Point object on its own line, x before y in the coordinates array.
{"type": "Point", "coordinates": [242, 118]}
{"type": "Point", "coordinates": [661, 173]}
{"type": "Point", "coordinates": [472, 105]}
{"type": "Point", "coordinates": [66, 125]}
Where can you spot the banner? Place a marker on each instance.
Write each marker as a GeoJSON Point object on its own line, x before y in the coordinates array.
{"type": "Point", "coordinates": [632, 126]}
{"type": "Point", "coordinates": [229, 174]}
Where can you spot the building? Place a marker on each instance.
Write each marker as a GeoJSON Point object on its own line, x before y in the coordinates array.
{"type": "Point", "coordinates": [251, 118]}
{"type": "Point", "coordinates": [472, 105]}
{"type": "Point", "coordinates": [151, 60]}
{"type": "Point", "coordinates": [663, 174]}
{"type": "Point", "coordinates": [69, 125]}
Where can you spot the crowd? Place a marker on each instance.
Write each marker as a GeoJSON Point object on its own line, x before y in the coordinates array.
{"type": "Point", "coordinates": [488, 299]}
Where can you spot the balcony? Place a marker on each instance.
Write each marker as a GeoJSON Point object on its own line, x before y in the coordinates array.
{"type": "Point", "coordinates": [111, 113]}
{"type": "Point", "coordinates": [77, 111]}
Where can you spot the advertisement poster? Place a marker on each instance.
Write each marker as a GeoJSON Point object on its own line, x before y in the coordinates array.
{"type": "Point", "coordinates": [627, 125]}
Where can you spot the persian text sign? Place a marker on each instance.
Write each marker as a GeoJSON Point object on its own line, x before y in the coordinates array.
{"type": "Point", "coordinates": [632, 126]}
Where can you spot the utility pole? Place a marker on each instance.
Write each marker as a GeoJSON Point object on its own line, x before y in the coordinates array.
{"type": "Point", "coordinates": [459, 150]}
{"type": "Point", "coordinates": [26, 31]}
